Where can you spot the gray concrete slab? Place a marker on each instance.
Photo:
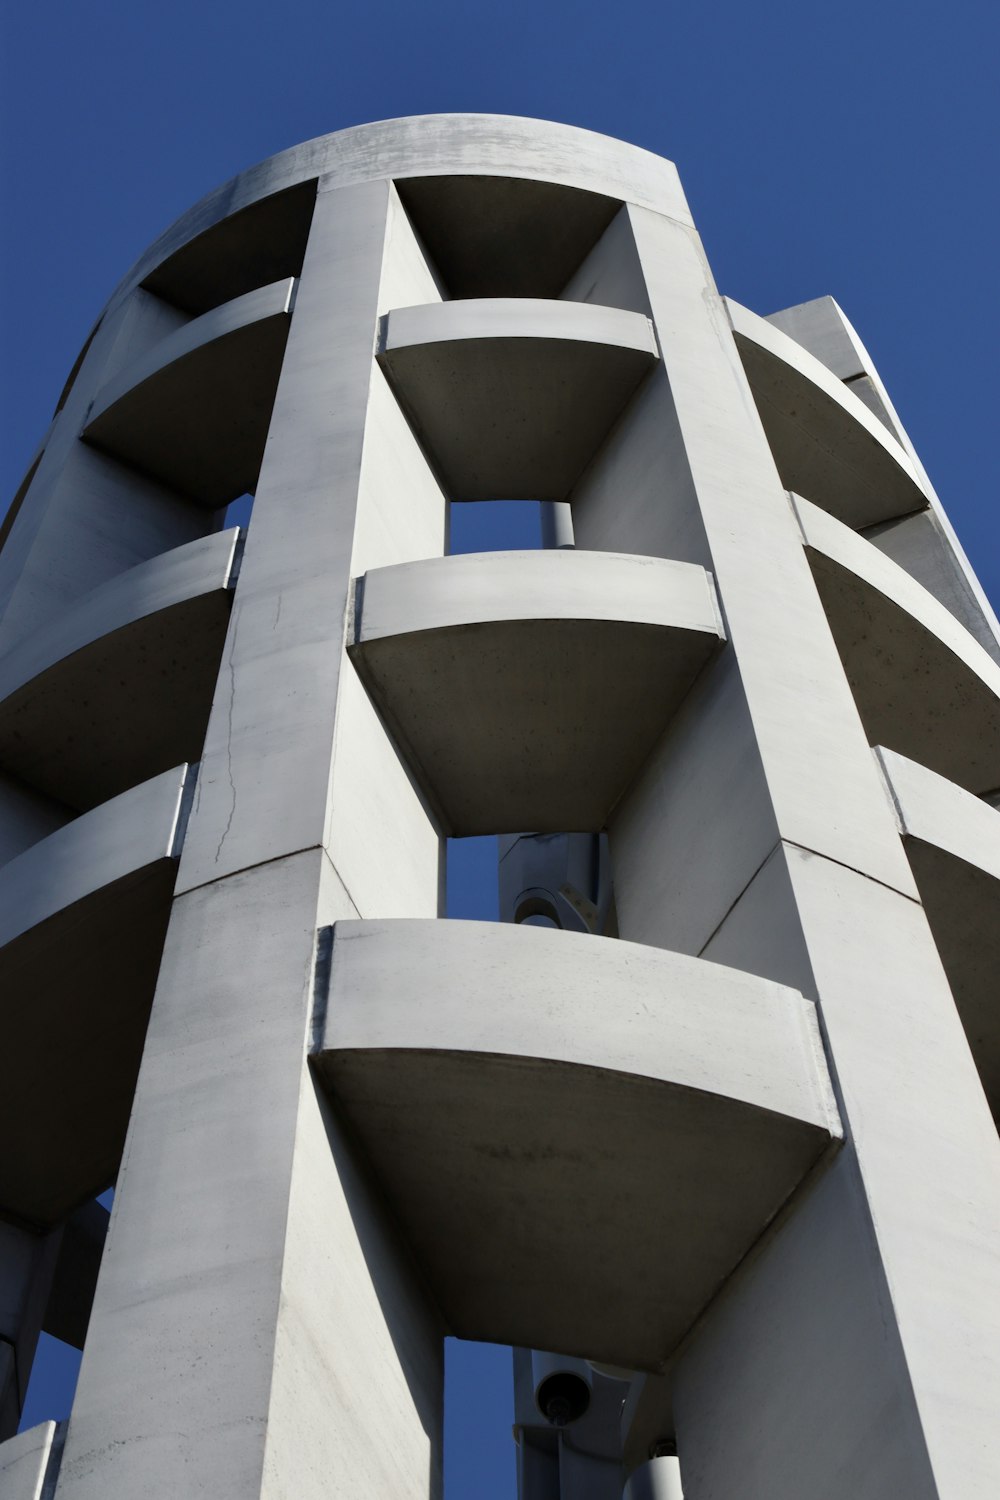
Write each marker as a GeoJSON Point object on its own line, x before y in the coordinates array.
{"type": "Point", "coordinates": [487, 668]}
{"type": "Point", "coordinates": [953, 843]}
{"type": "Point", "coordinates": [820, 327]}
{"type": "Point", "coordinates": [920, 545]}
{"type": "Point", "coordinates": [86, 517]}
{"type": "Point", "coordinates": [492, 236]}
{"type": "Point", "coordinates": [259, 244]}
{"type": "Point", "coordinates": [25, 1463]}
{"type": "Point", "coordinates": [193, 411]}
{"type": "Point", "coordinates": [444, 145]}
{"type": "Point", "coordinates": [524, 1096]}
{"type": "Point", "coordinates": [826, 443]}
{"type": "Point", "coordinates": [924, 685]}
{"type": "Point", "coordinates": [512, 397]}
{"type": "Point", "coordinates": [946, 557]}
{"type": "Point", "coordinates": [118, 687]}
{"type": "Point", "coordinates": [82, 919]}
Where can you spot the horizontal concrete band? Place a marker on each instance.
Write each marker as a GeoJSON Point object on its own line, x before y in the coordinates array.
{"type": "Point", "coordinates": [119, 686]}
{"type": "Point", "coordinates": [953, 842]}
{"type": "Point", "coordinates": [434, 146]}
{"type": "Point", "coordinates": [82, 918]}
{"type": "Point", "coordinates": [826, 442]}
{"type": "Point", "coordinates": [524, 1096]}
{"type": "Point", "coordinates": [924, 685]}
{"type": "Point", "coordinates": [194, 410]}
{"type": "Point", "coordinates": [513, 396]}
{"type": "Point", "coordinates": [487, 668]}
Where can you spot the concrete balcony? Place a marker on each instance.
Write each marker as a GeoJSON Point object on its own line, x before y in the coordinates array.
{"type": "Point", "coordinates": [83, 915]}
{"type": "Point", "coordinates": [828, 445]}
{"type": "Point", "coordinates": [525, 689]}
{"type": "Point", "coordinates": [512, 397]}
{"type": "Point", "coordinates": [193, 412]}
{"type": "Point", "coordinates": [119, 686]}
{"type": "Point", "coordinates": [924, 685]}
{"type": "Point", "coordinates": [580, 1138]}
{"type": "Point", "coordinates": [953, 843]}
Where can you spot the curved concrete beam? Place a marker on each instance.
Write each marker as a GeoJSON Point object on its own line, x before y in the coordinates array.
{"type": "Point", "coordinates": [82, 919]}
{"type": "Point", "coordinates": [513, 396]}
{"type": "Point", "coordinates": [193, 411]}
{"type": "Point", "coordinates": [924, 685]}
{"type": "Point", "coordinates": [422, 146]}
{"type": "Point", "coordinates": [527, 688]}
{"type": "Point", "coordinates": [953, 843]}
{"type": "Point", "coordinates": [826, 442]}
{"type": "Point", "coordinates": [119, 686]}
{"type": "Point", "coordinates": [525, 1096]}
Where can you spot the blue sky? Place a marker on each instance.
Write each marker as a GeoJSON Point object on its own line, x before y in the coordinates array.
{"type": "Point", "coordinates": [846, 149]}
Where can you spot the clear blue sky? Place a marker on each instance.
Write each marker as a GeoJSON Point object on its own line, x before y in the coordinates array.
{"type": "Point", "coordinates": [841, 148]}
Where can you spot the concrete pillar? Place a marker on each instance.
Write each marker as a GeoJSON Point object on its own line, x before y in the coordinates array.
{"type": "Point", "coordinates": [829, 905]}
{"type": "Point", "coordinates": [258, 1331]}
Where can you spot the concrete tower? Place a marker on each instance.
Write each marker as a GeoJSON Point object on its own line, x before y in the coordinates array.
{"type": "Point", "coordinates": [736, 1137]}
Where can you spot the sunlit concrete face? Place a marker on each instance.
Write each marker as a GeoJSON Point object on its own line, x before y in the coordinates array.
{"type": "Point", "coordinates": [736, 1148]}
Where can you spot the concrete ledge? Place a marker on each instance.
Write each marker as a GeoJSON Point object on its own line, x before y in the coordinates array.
{"type": "Point", "coordinates": [25, 1463]}
{"type": "Point", "coordinates": [826, 442]}
{"type": "Point", "coordinates": [82, 919]}
{"type": "Point", "coordinates": [193, 412]}
{"type": "Point", "coordinates": [525, 1097]}
{"type": "Point", "coordinates": [443, 145]}
{"type": "Point", "coordinates": [119, 686]}
{"type": "Point", "coordinates": [924, 685]}
{"type": "Point", "coordinates": [512, 397]}
{"type": "Point", "coordinates": [953, 843]}
{"type": "Point", "coordinates": [526, 688]}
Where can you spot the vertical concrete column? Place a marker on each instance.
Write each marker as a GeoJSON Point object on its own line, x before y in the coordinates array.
{"type": "Point", "coordinates": [257, 1330]}
{"type": "Point", "coordinates": [875, 1368]}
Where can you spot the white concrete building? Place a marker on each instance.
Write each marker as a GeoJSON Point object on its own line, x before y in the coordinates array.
{"type": "Point", "coordinates": [741, 1143]}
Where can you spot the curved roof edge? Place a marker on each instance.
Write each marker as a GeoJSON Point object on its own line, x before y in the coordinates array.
{"type": "Point", "coordinates": [429, 146]}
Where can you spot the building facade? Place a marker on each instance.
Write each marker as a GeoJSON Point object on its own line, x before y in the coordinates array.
{"type": "Point", "coordinates": [729, 1148]}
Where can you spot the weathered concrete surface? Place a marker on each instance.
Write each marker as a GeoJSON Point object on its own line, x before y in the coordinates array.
{"type": "Point", "coordinates": [826, 443]}
{"type": "Point", "coordinates": [854, 1349]}
{"type": "Point", "coordinates": [236, 1178]}
{"type": "Point", "coordinates": [511, 397]}
{"type": "Point", "coordinates": [504, 236]}
{"type": "Point", "coordinates": [924, 543]}
{"type": "Point", "coordinates": [459, 145]}
{"type": "Point", "coordinates": [487, 668]}
{"type": "Point", "coordinates": [25, 1462]}
{"type": "Point", "coordinates": [923, 684]}
{"type": "Point", "coordinates": [194, 411]}
{"type": "Point", "coordinates": [524, 1095]}
{"type": "Point", "coordinates": [850, 895]}
{"type": "Point", "coordinates": [82, 918]}
{"type": "Point", "coordinates": [118, 687]}
{"type": "Point", "coordinates": [953, 843]}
